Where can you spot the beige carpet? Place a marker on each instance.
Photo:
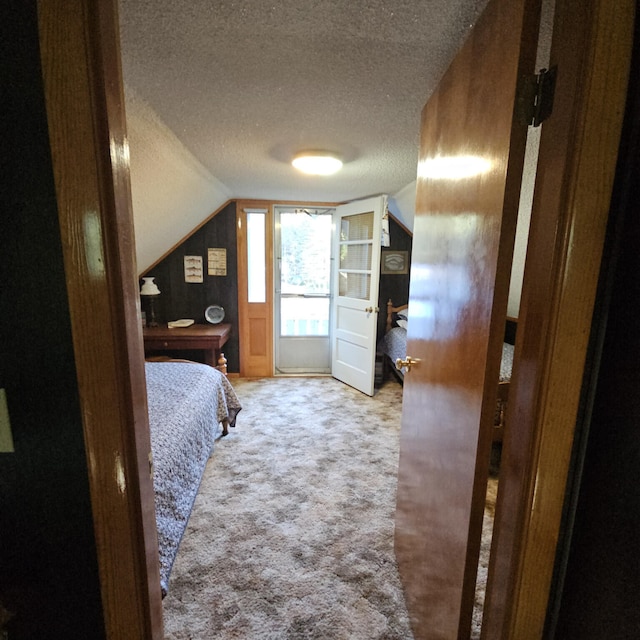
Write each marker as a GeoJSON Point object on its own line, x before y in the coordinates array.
{"type": "Point", "coordinates": [291, 535]}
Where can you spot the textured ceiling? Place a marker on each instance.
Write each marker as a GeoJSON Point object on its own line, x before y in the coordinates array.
{"type": "Point", "coordinates": [244, 84]}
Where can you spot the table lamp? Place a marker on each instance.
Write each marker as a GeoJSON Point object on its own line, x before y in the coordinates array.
{"type": "Point", "coordinates": [150, 292]}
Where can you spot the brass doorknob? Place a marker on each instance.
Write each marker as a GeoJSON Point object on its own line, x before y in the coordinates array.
{"type": "Point", "coordinates": [400, 363]}
{"type": "Point", "coordinates": [372, 309]}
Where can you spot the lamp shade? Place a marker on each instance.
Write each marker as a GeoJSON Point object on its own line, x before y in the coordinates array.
{"type": "Point", "coordinates": [149, 287]}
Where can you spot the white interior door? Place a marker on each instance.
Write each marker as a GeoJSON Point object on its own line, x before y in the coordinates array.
{"type": "Point", "coordinates": [355, 312]}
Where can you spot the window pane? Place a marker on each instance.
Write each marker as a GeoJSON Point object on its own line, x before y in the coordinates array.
{"type": "Point", "coordinates": [306, 253]}
{"type": "Point", "coordinates": [304, 316]}
{"type": "Point", "coordinates": [355, 256]}
{"type": "Point", "coordinates": [256, 258]}
{"type": "Point", "coordinates": [354, 285]}
{"type": "Point", "coordinates": [358, 227]}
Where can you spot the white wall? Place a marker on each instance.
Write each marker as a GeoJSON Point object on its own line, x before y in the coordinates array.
{"type": "Point", "coordinates": [172, 192]}
{"type": "Point", "coordinates": [524, 220]}
{"type": "Point", "coordinates": [530, 168]}
{"type": "Point", "coordinates": [403, 204]}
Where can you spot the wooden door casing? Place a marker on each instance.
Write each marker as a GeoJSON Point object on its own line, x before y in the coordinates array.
{"type": "Point", "coordinates": [255, 319]}
{"type": "Point", "coordinates": [463, 243]}
{"type": "Point", "coordinates": [85, 110]}
{"type": "Point", "coordinates": [591, 46]}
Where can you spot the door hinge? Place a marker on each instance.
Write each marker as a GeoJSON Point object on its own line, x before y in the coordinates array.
{"type": "Point", "coordinates": [534, 102]}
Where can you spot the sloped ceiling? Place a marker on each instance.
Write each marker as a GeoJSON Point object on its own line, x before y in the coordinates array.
{"type": "Point", "coordinates": [244, 84]}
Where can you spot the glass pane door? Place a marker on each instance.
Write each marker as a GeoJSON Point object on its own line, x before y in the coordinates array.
{"type": "Point", "coordinates": [303, 290]}
{"type": "Point", "coordinates": [354, 318]}
{"type": "Point", "coordinates": [356, 243]}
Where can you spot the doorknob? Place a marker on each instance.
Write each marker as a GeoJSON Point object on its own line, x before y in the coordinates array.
{"type": "Point", "coordinates": [372, 309]}
{"type": "Point", "coordinates": [406, 363]}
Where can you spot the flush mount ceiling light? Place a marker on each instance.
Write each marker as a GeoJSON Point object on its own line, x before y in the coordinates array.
{"type": "Point", "coordinates": [319, 163]}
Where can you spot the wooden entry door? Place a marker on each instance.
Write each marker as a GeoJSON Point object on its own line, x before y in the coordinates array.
{"type": "Point", "coordinates": [469, 175]}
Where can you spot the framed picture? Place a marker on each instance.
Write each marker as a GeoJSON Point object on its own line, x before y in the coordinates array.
{"type": "Point", "coordinates": [394, 262]}
{"type": "Point", "coordinates": [193, 269]}
{"type": "Point", "coordinates": [217, 262]}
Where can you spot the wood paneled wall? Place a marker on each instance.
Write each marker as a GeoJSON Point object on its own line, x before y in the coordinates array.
{"type": "Point", "coordinates": [394, 286]}
{"type": "Point", "coordinates": [180, 299]}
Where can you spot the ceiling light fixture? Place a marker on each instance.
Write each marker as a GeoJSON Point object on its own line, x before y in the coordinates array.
{"type": "Point", "coordinates": [319, 163]}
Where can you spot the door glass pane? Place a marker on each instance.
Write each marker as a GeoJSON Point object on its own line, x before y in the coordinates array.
{"type": "Point", "coordinates": [256, 257]}
{"type": "Point", "coordinates": [358, 227]}
{"type": "Point", "coordinates": [355, 256]}
{"type": "Point", "coordinates": [354, 285]}
{"type": "Point", "coordinates": [356, 250]}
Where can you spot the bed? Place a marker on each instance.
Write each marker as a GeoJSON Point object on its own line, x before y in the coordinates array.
{"type": "Point", "coordinates": [190, 405]}
{"type": "Point", "coordinates": [393, 346]}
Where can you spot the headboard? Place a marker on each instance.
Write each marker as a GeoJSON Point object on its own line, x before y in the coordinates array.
{"type": "Point", "coordinates": [391, 310]}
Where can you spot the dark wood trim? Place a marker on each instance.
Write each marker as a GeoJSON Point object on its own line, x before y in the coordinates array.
{"type": "Point", "coordinates": [578, 149]}
{"type": "Point", "coordinates": [85, 108]}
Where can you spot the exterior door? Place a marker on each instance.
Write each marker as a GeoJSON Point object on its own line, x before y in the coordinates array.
{"type": "Point", "coordinates": [469, 173]}
{"type": "Point", "coordinates": [357, 278]}
{"type": "Point", "coordinates": [303, 242]}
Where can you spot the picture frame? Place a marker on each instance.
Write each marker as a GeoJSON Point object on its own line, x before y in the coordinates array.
{"type": "Point", "coordinates": [193, 269]}
{"type": "Point", "coordinates": [217, 262]}
{"type": "Point", "coordinates": [394, 262]}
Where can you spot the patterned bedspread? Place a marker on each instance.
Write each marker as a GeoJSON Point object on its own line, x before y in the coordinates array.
{"type": "Point", "coordinates": [187, 401]}
{"type": "Point", "coordinates": [394, 343]}
{"type": "Point", "coordinates": [506, 364]}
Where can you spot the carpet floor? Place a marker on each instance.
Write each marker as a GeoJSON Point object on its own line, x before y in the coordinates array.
{"type": "Point", "coordinates": [291, 534]}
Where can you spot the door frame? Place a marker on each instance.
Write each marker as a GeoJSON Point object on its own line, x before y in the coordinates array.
{"type": "Point", "coordinates": [125, 555]}
{"type": "Point", "coordinates": [576, 166]}
{"type": "Point", "coordinates": [256, 321]}
{"type": "Point", "coordinates": [278, 210]}
{"type": "Point", "coordinates": [79, 47]}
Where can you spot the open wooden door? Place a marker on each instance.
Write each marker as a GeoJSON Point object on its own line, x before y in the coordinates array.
{"type": "Point", "coordinates": [354, 320]}
{"type": "Point", "coordinates": [469, 175]}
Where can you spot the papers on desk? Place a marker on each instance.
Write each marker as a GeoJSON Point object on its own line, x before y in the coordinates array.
{"type": "Point", "coordinates": [178, 324]}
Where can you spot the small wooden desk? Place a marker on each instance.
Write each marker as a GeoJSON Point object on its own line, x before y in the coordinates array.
{"type": "Point", "coordinates": [207, 338]}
